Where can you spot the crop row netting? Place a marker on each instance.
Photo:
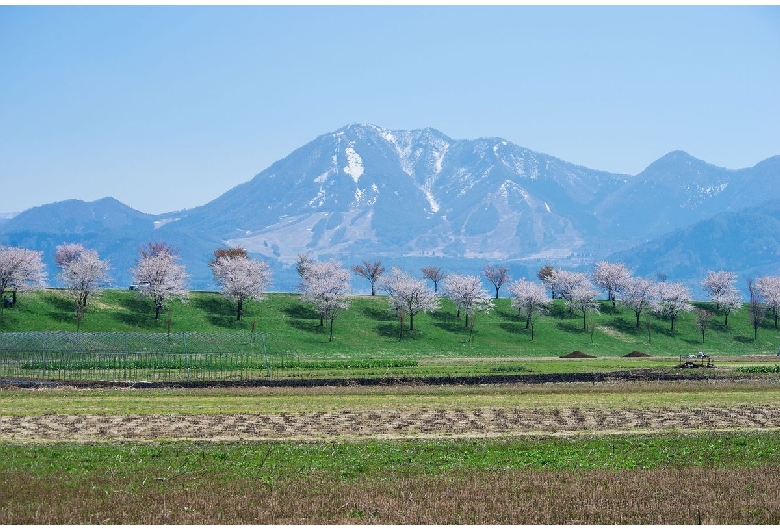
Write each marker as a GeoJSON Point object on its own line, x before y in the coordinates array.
{"type": "Point", "coordinates": [154, 357]}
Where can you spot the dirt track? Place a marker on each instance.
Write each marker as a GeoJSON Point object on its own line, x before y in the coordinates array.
{"type": "Point", "coordinates": [380, 424]}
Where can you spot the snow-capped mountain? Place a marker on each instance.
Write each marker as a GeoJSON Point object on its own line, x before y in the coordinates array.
{"type": "Point", "coordinates": [367, 189]}
{"type": "Point", "coordinates": [364, 192]}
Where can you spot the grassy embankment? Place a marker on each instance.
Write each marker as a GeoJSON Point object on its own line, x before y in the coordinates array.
{"type": "Point", "coordinates": [369, 330]}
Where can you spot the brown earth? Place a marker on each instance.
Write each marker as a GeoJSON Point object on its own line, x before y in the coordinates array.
{"type": "Point", "coordinates": [636, 353]}
{"type": "Point", "coordinates": [577, 354]}
{"type": "Point", "coordinates": [382, 424]}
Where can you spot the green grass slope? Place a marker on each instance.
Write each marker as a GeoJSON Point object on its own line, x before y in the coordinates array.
{"type": "Point", "coordinates": [369, 330]}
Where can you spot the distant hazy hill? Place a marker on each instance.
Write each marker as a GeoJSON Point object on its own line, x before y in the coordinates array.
{"type": "Point", "coordinates": [364, 192]}
{"type": "Point", "coordinates": [747, 241]}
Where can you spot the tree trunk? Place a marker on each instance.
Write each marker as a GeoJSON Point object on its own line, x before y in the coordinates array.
{"type": "Point", "coordinates": [637, 318]}
{"type": "Point", "coordinates": [240, 308]}
{"type": "Point", "coordinates": [584, 322]}
{"type": "Point", "coordinates": [157, 308]}
{"type": "Point", "coordinates": [411, 321]}
{"type": "Point", "coordinates": [497, 288]}
{"type": "Point", "coordinates": [528, 321]}
{"type": "Point", "coordinates": [331, 330]}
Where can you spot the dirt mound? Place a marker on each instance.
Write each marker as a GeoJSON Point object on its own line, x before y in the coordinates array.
{"type": "Point", "coordinates": [577, 354]}
{"type": "Point", "coordinates": [637, 354]}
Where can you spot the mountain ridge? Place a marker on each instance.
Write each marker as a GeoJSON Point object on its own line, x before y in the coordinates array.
{"type": "Point", "coordinates": [363, 191]}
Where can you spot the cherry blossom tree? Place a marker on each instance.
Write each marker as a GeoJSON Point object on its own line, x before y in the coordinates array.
{"type": "Point", "coordinates": [326, 285]}
{"type": "Point", "coordinates": [637, 294]}
{"type": "Point", "coordinates": [611, 277]}
{"type": "Point", "coordinates": [469, 295]}
{"type": "Point", "coordinates": [434, 274]}
{"type": "Point", "coordinates": [720, 288]}
{"type": "Point", "coordinates": [301, 264]}
{"type": "Point", "coordinates": [756, 307]}
{"type": "Point", "coordinates": [21, 270]}
{"type": "Point", "coordinates": [582, 298]}
{"type": "Point", "coordinates": [159, 276]}
{"type": "Point", "coordinates": [240, 277]}
{"type": "Point", "coordinates": [531, 300]}
{"type": "Point", "coordinates": [229, 252]}
{"type": "Point", "coordinates": [408, 296]}
{"type": "Point", "coordinates": [768, 288]}
{"type": "Point", "coordinates": [703, 319]}
{"type": "Point", "coordinates": [729, 301]}
{"type": "Point", "coordinates": [545, 275]}
{"type": "Point", "coordinates": [371, 271]}
{"type": "Point", "coordinates": [66, 253]}
{"type": "Point", "coordinates": [671, 299]}
{"type": "Point", "coordinates": [717, 283]}
{"type": "Point", "coordinates": [83, 273]}
{"type": "Point", "coordinates": [564, 283]}
{"type": "Point", "coordinates": [497, 275]}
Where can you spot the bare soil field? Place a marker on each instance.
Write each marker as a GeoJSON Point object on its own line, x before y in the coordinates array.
{"type": "Point", "coordinates": [385, 424]}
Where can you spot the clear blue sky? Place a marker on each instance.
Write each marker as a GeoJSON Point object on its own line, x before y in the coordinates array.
{"type": "Point", "coordinates": [166, 108]}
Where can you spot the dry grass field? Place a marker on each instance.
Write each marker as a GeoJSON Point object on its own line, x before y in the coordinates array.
{"type": "Point", "coordinates": [383, 424]}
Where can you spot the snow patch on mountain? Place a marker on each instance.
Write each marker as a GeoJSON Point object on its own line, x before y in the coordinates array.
{"type": "Point", "coordinates": [318, 200]}
{"type": "Point", "coordinates": [322, 178]}
{"type": "Point", "coordinates": [354, 167]}
{"type": "Point", "coordinates": [431, 200]}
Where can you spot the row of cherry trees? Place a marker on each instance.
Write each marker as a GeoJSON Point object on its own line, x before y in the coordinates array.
{"type": "Point", "coordinates": [159, 276]}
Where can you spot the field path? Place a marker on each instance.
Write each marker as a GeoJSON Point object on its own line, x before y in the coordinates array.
{"type": "Point", "coordinates": [382, 424]}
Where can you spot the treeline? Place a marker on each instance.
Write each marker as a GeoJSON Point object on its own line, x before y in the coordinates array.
{"type": "Point", "coordinates": [325, 285]}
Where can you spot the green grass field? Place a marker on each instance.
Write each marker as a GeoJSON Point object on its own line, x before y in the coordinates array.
{"type": "Point", "coordinates": [369, 330]}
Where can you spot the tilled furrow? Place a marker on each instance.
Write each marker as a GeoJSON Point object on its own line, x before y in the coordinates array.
{"type": "Point", "coordinates": [380, 424]}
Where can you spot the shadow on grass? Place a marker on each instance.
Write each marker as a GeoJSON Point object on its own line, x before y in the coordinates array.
{"type": "Point", "coordinates": [453, 326]}
{"type": "Point", "coordinates": [571, 327]}
{"type": "Point", "coordinates": [390, 331]}
{"type": "Point", "coordinates": [63, 307]}
{"type": "Point", "coordinates": [8, 320]}
{"type": "Point", "coordinates": [510, 314]}
{"type": "Point", "coordinates": [742, 339]}
{"type": "Point", "coordinates": [515, 328]}
{"type": "Point", "coordinates": [381, 315]}
{"type": "Point", "coordinates": [214, 305]}
{"type": "Point", "coordinates": [139, 313]}
{"type": "Point", "coordinates": [310, 326]}
{"type": "Point", "coordinates": [221, 312]}
{"type": "Point", "coordinates": [301, 312]}
{"type": "Point", "coordinates": [606, 308]}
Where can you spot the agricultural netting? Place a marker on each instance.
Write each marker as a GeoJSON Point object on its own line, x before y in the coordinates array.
{"type": "Point", "coordinates": [154, 357]}
{"type": "Point", "coordinates": [171, 358]}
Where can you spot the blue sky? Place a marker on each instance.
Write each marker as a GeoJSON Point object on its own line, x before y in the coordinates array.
{"type": "Point", "coordinates": [166, 108]}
